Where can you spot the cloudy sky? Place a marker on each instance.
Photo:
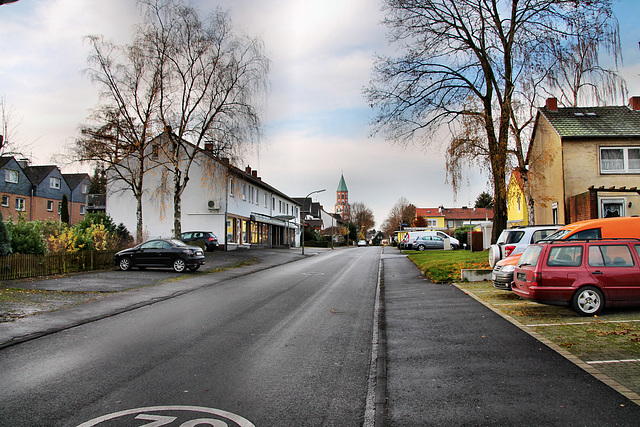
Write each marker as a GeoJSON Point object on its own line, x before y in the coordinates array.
{"type": "Point", "coordinates": [316, 123]}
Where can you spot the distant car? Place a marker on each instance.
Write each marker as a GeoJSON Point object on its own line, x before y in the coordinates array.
{"type": "Point", "coordinates": [208, 239]}
{"type": "Point", "coordinates": [161, 253]}
{"type": "Point", "coordinates": [429, 242]}
{"type": "Point", "coordinates": [586, 274]}
{"type": "Point", "coordinates": [362, 243]}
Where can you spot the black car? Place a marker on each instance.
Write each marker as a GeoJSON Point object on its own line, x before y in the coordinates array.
{"type": "Point", "coordinates": [161, 253]}
{"type": "Point", "coordinates": [208, 239]}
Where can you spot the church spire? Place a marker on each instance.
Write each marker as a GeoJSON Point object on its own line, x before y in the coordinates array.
{"type": "Point", "coordinates": [342, 200]}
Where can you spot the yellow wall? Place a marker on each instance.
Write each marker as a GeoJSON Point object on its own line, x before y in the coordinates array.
{"type": "Point", "coordinates": [516, 213]}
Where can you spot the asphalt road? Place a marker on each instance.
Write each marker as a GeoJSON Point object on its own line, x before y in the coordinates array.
{"type": "Point", "coordinates": [286, 346]}
{"type": "Point", "coordinates": [291, 345]}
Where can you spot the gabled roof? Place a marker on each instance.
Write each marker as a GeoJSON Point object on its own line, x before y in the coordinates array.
{"type": "Point", "coordinates": [74, 179]}
{"type": "Point", "coordinates": [456, 213]}
{"type": "Point", "coordinates": [342, 186]}
{"type": "Point", "coordinates": [4, 160]}
{"type": "Point", "coordinates": [585, 122]}
{"type": "Point", "coordinates": [37, 174]}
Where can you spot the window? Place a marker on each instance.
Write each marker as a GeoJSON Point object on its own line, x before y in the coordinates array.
{"type": "Point", "coordinates": [50, 205]}
{"type": "Point", "coordinates": [85, 189]}
{"type": "Point", "coordinates": [612, 208]}
{"type": "Point", "coordinates": [54, 182]}
{"type": "Point", "coordinates": [11, 176]}
{"type": "Point", "coordinates": [619, 159]}
{"type": "Point", "coordinates": [610, 256]}
{"type": "Point", "coordinates": [432, 223]}
{"type": "Point", "coordinates": [5, 201]}
{"type": "Point", "coordinates": [565, 256]}
{"type": "Point", "coordinates": [81, 209]}
{"type": "Point", "coordinates": [231, 187]}
{"type": "Point", "coordinates": [20, 205]}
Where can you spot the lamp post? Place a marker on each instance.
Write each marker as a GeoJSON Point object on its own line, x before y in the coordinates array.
{"type": "Point", "coordinates": [303, 214]}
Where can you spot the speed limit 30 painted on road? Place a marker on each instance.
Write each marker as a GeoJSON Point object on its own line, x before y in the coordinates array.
{"type": "Point", "coordinates": [173, 416]}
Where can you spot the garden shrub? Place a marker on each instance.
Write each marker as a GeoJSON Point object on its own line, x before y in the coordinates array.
{"type": "Point", "coordinates": [26, 237]}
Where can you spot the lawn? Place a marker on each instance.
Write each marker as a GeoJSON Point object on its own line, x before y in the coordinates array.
{"type": "Point", "coordinates": [445, 266]}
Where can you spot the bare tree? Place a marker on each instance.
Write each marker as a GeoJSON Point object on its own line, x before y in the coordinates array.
{"type": "Point", "coordinates": [9, 145]}
{"type": "Point", "coordinates": [465, 60]}
{"type": "Point", "coordinates": [362, 217]}
{"type": "Point", "coordinates": [182, 84]}
{"type": "Point", "coordinates": [122, 127]}
{"type": "Point", "coordinates": [210, 83]}
{"type": "Point", "coordinates": [402, 212]}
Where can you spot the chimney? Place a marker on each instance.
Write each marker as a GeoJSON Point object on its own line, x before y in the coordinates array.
{"type": "Point", "coordinates": [248, 170]}
{"type": "Point", "coordinates": [208, 146]}
{"type": "Point", "coordinates": [552, 104]}
{"type": "Point", "coordinates": [254, 174]}
{"type": "Point", "coordinates": [634, 103]}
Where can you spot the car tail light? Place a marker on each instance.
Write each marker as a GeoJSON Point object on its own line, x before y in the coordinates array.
{"type": "Point", "coordinates": [534, 279]}
{"type": "Point", "coordinates": [508, 250]}
{"type": "Point", "coordinates": [211, 239]}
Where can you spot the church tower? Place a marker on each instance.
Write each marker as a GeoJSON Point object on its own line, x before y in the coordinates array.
{"type": "Point", "coordinates": [342, 200]}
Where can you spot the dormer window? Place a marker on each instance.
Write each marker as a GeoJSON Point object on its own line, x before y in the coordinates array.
{"type": "Point", "coordinates": [54, 183]}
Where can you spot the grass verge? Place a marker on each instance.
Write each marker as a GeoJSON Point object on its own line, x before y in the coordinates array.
{"type": "Point", "coordinates": [445, 266]}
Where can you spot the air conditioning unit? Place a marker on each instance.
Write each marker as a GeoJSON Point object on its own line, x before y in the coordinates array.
{"type": "Point", "coordinates": [213, 205]}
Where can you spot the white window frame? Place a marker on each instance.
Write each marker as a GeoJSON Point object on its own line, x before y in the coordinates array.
{"type": "Point", "coordinates": [55, 182]}
{"type": "Point", "coordinates": [613, 200]}
{"type": "Point", "coordinates": [11, 176]}
{"type": "Point", "coordinates": [81, 209]}
{"type": "Point", "coordinates": [5, 201]}
{"type": "Point", "coordinates": [626, 166]}
{"type": "Point", "coordinates": [50, 205]}
{"type": "Point", "coordinates": [231, 192]}
{"type": "Point", "coordinates": [85, 189]}
{"type": "Point", "coordinates": [21, 204]}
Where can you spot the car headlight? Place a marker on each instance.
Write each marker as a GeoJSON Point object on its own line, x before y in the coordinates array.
{"type": "Point", "coordinates": [508, 268]}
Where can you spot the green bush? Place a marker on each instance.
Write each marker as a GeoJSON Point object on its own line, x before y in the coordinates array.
{"type": "Point", "coordinates": [26, 237]}
{"type": "Point", "coordinates": [5, 239]}
{"type": "Point", "coordinates": [95, 218]}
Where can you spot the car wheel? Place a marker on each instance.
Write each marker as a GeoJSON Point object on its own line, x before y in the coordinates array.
{"type": "Point", "coordinates": [588, 301]}
{"type": "Point", "coordinates": [495, 255]}
{"type": "Point", "coordinates": [194, 268]}
{"type": "Point", "coordinates": [125, 263]}
{"type": "Point", "coordinates": [421, 247]}
{"type": "Point", "coordinates": [179, 265]}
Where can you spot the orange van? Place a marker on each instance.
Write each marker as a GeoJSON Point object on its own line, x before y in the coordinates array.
{"type": "Point", "coordinates": [601, 228]}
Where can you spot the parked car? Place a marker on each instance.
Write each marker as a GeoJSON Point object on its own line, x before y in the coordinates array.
{"type": "Point", "coordinates": [586, 274]}
{"type": "Point", "coordinates": [429, 242]}
{"type": "Point", "coordinates": [623, 227]}
{"type": "Point", "coordinates": [161, 253]}
{"type": "Point", "coordinates": [208, 239]}
{"type": "Point", "coordinates": [413, 236]}
{"type": "Point", "coordinates": [513, 241]}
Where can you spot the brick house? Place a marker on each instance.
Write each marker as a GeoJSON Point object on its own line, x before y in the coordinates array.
{"type": "Point", "coordinates": [36, 191]}
{"type": "Point", "coordinates": [587, 162]}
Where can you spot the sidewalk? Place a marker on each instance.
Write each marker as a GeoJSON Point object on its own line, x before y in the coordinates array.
{"type": "Point", "coordinates": [452, 361]}
{"type": "Point", "coordinates": [127, 290]}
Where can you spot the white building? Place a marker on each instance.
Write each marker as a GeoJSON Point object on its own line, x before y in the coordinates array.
{"type": "Point", "coordinates": [234, 204]}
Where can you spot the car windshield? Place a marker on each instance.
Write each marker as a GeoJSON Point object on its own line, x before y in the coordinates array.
{"type": "Point", "coordinates": [510, 236]}
{"type": "Point", "coordinates": [530, 256]}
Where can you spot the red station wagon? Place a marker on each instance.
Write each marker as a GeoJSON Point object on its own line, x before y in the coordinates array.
{"type": "Point", "coordinates": [586, 274]}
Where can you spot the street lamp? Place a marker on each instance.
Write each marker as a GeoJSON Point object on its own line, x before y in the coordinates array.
{"type": "Point", "coordinates": [303, 215]}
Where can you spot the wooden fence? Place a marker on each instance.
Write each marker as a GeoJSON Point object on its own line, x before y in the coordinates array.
{"type": "Point", "coordinates": [21, 266]}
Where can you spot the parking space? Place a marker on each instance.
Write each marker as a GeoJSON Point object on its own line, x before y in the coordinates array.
{"type": "Point", "coordinates": [608, 343]}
